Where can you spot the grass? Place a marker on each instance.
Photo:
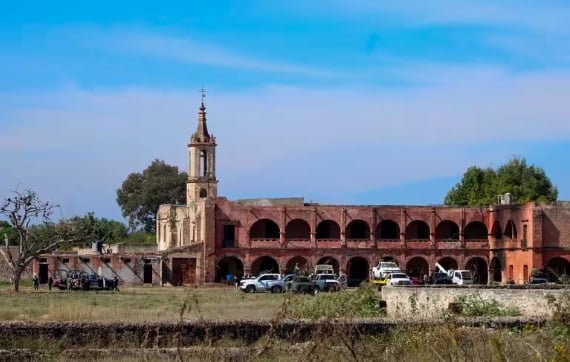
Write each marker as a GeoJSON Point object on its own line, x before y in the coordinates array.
{"type": "Point", "coordinates": [138, 305]}
{"type": "Point", "coordinates": [447, 342]}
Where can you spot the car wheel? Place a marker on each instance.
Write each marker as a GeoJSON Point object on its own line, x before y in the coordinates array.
{"type": "Point", "coordinates": [250, 289]}
{"type": "Point", "coordinates": [276, 289]}
{"type": "Point", "coordinates": [316, 291]}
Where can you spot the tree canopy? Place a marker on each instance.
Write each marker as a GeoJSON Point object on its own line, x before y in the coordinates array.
{"type": "Point", "coordinates": [480, 187]}
{"type": "Point", "coordinates": [29, 232]}
{"type": "Point", "coordinates": [141, 194]}
{"type": "Point", "coordinates": [99, 229]}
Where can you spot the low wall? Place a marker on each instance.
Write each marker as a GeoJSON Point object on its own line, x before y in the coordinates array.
{"type": "Point", "coordinates": [430, 302]}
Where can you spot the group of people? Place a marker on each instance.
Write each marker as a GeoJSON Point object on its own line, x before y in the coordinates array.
{"type": "Point", "coordinates": [69, 282]}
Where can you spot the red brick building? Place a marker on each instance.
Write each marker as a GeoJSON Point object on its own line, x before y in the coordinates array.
{"type": "Point", "coordinates": [212, 236]}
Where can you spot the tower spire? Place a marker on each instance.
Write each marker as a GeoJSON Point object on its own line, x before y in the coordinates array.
{"type": "Point", "coordinates": [201, 135]}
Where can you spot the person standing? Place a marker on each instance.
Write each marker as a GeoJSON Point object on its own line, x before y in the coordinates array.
{"type": "Point", "coordinates": [50, 282]}
{"type": "Point", "coordinates": [115, 283]}
{"type": "Point", "coordinates": [36, 282]}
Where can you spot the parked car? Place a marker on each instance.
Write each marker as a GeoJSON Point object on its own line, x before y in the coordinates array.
{"type": "Point", "coordinates": [302, 284]}
{"type": "Point", "coordinates": [262, 283]}
{"type": "Point", "coordinates": [439, 279]}
{"type": "Point", "coordinates": [538, 281]}
{"type": "Point", "coordinates": [326, 283]}
{"type": "Point", "coordinates": [398, 279]}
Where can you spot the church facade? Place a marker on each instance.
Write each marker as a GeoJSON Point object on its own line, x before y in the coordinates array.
{"type": "Point", "coordinates": [211, 236]}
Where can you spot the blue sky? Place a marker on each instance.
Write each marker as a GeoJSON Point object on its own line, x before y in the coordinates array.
{"type": "Point", "coordinates": [341, 101]}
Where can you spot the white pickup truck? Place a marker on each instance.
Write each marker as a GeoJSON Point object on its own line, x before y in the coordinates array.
{"type": "Point", "coordinates": [384, 268]}
{"type": "Point", "coordinates": [459, 277]}
{"type": "Point", "coordinates": [262, 283]}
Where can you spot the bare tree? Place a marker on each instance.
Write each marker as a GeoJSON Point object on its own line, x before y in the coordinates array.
{"type": "Point", "coordinates": [32, 231]}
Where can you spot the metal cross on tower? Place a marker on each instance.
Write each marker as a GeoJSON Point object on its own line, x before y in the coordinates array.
{"type": "Point", "coordinates": [203, 91]}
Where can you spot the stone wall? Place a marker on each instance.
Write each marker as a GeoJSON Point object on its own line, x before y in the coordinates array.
{"type": "Point", "coordinates": [430, 302]}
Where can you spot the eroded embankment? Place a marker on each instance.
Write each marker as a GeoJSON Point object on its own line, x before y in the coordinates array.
{"type": "Point", "coordinates": [101, 335]}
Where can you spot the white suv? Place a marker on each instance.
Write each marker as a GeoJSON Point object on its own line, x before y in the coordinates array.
{"type": "Point", "coordinates": [262, 283]}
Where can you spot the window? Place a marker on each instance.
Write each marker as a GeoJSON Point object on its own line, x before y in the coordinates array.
{"type": "Point", "coordinates": [106, 260]}
{"type": "Point", "coordinates": [85, 260]}
{"type": "Point", "coordinates": [65, 260]}
{"type": "Point", "coordinates": [43, 260]}
{"type": "Point", "coordinates": [127, 260]}
{"type": "Point", "coordinates": [229, 236]}
{"type": "Point", "coordinates": [523, 241]}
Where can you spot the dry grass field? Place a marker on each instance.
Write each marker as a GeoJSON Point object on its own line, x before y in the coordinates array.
{"type": "Point", "coordinates": [138, 305]}
{"type": "Point", "coordinates": [447, 342]}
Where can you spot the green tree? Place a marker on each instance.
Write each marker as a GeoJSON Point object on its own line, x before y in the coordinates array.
{"type": "Point", "coordinates": [30, 231]}
{"type": "Point", "coordinates": [96, 229]}
{"type": "Point", "coordinates": [480, 187]}
{"type": "Point", "coordinates": [141, 194]}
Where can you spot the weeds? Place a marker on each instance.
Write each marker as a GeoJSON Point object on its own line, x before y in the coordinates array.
{"type": "Point", "coordinates": [361, 303]}
{"type": "Point", "coordinates": [475, 306]}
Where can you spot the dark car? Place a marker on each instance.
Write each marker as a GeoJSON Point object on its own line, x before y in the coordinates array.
{"type": "Point", "coordinates": [538, 281]}
{"type": "Point", "coordinates": [96, 282]}
{"type": "Point", "coordinates": [439, 279]}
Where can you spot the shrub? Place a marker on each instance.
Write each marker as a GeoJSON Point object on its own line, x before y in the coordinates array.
{"type": "Point", "coordinates": [361, 303]}
{"type": "Point", "coordinates": [560, 321]}
{"type": "Point", "coordinates": [475, 306]}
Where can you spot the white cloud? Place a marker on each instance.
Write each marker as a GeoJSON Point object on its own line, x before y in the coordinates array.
{"type": "Point", "coordinates": [192, 51]}
{"type": "Point", "coordinates": [549, 17]}
{"type": "Point", "coordinates": [80, 145]}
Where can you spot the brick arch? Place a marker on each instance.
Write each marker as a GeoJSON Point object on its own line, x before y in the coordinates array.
{"type": "Point", "coordinates": [228, 264]}
{"type": "Point", "coordinates": [357, 269]}
{"type": "Point", "coordinates": [476, 230]}
{"type": "Point", "coordinates": [417, 267]}
{"type": "Point", "coordinates": [496, 230]}
{"type": "Point", "coordinates": [297, 229]}
{"type": "Point", "coordinates": [447, 230]}
{"type": "Point", "coordinates": [300, 261]}
{"type": "Point", "coordinates": [388, 230]}
{"type": "Point", "coordinates": [448, 263]}
{"type": "Point", "coordinates": [557, 267]}
{"type": "Point", "coordinates": [265, 263]}
{"type": "Point", "coordinates": [328, 229]}
{"type": "Point", "coordinates": [495, 268]}
{"type": "Point", "coordinates": [264, 229]}
{"type": "Point", "coordinates": [510, 230]}
{"type": "Point", "coordinates": [358, 230]}
{"type": "Point", "coordinates": [417, 230]}
{"type": "Point", "coordinates": [479, 269]}
{"type": "Point", "coordinates": [330, 260]}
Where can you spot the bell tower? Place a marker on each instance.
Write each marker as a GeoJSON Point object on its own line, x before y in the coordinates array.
{"type": "Point", "coordinates": [202, 184]}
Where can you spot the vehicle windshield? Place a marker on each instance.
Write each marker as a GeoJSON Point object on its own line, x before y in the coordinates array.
{"type": "Point", "coordinates": [466, 275]}
{"type": "Point", "coordinates": [388, 264]}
